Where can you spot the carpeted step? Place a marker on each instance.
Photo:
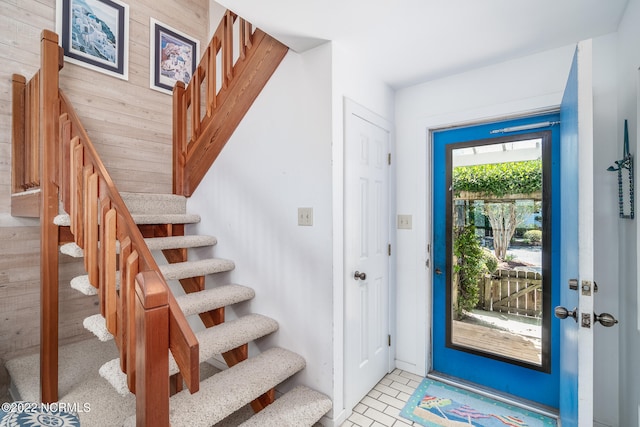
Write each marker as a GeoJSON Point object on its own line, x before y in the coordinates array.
{"type": "Point", "coordinates": [216, 340]}
{"type": "Point", "coordinates": [299, 407]}
{"type": "Point", "coordinates": [183, 270]}
{"type": "Point", "coordinates": [82, 285]}
{"type": "Point", "coordinates": [177, 271]}
{"type": "Point", "coordinates": [154, 244]}
{"type": "Point", "coordinates": [98, 326]}
{"type": "Point", "coordinates": [194, 303]}
{"type": "Point", "coordinates": [147, 203]}
{"type": "Point", "coordinates": [229, 335]}
{"type": "Point", "coordinates": [211, 299]}
{"type": "Point", "coordinates": [63, 220]}
{"type": "Point", "coordinates": [226, 392]}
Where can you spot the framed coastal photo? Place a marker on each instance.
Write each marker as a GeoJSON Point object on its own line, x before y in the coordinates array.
{"type": "Point", "coordinates": [95, 34]}
{"type": "Point", "coordinates": [173, 57]}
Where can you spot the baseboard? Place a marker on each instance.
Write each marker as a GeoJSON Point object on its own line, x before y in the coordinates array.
{"type": "Point", "coordinates": [410, 367]}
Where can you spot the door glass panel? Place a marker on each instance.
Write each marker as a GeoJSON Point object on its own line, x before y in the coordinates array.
{"type": "Point", "coordinates": [496, 227]}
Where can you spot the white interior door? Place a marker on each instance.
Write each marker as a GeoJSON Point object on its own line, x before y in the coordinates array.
{"type": "Point", "coordinates": [576, 340]}
{"type": "Point", "coordinates": [366, 269]}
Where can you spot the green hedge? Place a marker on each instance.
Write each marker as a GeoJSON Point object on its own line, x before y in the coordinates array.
{"type": "Point", "coordinates": [499, 179]}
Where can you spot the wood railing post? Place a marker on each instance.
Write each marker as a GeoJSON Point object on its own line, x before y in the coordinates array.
{"type": "Point", "coordinates": [179, 138]}
{"type": "Point", "coordinates": [152, 351]}
{"type": "Point", "coordinates": [49, 113]}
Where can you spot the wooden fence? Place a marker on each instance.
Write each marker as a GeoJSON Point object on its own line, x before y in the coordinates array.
{"type": "Point", "coordinates": [514, 292]}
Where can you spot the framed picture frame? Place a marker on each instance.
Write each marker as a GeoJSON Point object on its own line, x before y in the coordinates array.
{"type": "Point", "coordinates": [95, 34]}
{"type": "Point", "coordinates": [174, 56]}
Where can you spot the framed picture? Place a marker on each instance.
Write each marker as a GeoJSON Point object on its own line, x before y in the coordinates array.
{"type": "Point", "coordinates": [174, 56]}
{"type": "Point", "coordinates": [95, 34]}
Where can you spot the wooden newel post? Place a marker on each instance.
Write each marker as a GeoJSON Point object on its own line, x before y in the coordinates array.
{"type": "Point", "coordinates": [49, 113]}
{"type": "Point", "coordinates": [152, 351]}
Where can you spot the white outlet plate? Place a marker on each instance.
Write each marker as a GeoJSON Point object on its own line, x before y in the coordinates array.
{"type": "Point", "coordinates": [405, 222]}
{"type": "Point", "coordinates": [305, 216]}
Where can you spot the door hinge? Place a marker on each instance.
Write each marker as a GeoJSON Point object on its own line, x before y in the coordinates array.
{"type": "Point", "coordinates": [389, 336]}
{"type": "Point", "coordinates": [389, 249]}
{"type": "Point", "coordinates": [389, 158]}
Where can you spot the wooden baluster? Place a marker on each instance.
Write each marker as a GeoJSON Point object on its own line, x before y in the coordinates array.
{"type": "Point", "coordinates": [130, 325]}
{"type": "Point", "coordinates": [79, 197]}
{"type": "Point", "coordinates": [73, 190]}
{"type": "Point", "coordinates": [195, 105]}
{"type": "Point", "coordinates": [242, 39]}
{"type": "Point", "coordinates": [125, 251]}
{"type": "Point", "coordinates": [109, 248]}
{"type": "Point", "coordinates": [179, 138]}
{"type": "Point", "coordinates": [211, 80]}
{"type": "Point", "coordinates": [18, 112]}
{"type": "Point", "coordinates": [152, 344]}
{"type": "Point", "coordinates": [105, 205]}
{"type": "Point", "coordinates": [65, 159]}
{"type": "Point", "coordinates": [227, 49]}
{"type": "Point", "coordinates": [91, 228]}
{"type": "Point", "coordinates": [33, 149]}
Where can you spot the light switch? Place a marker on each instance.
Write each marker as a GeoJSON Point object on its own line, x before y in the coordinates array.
{"type": "Point", "coordinates": [405, 222]}
{"type": "Point", "coordinates": [305, 216]}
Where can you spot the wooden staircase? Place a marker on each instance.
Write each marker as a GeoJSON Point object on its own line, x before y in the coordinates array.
{"type": "Point", "coordinates": [59, 177]}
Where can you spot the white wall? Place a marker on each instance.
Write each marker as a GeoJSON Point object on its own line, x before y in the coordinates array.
{"type": "Point", "coordinates": [628, 63]}
{"type": "Point", "coordinates": [528, 84]}
{"type": "Point", "coordinates": [277, 160]}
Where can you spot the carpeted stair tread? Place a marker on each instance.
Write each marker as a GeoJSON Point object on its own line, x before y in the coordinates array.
{"type": "Point", "coordinates": [299, 407]}
{"type": "Point", "coordinates": [229, 390]}
{"type": "Point", "coordinates": [226, 392]}
{"type": "Point", "coordinates": [229, 335]}
{"type": "Point", "coordinates": [112, 372]}
{"type": "Point", "coordinates": [211, 299]}
{"type": "Point", "coordinates": [97, 325]}
{"type": "Point", "coordinates": [216, 340]}
{"type": "Point", "coordinates": [183, 270]}
{"type": "Point", "coordinates": [82, 284]}
{"type": "Point", "coordinates": [141, 203]}
{"type": "Point", "coordinates": [194, 303]}
{"type": "Point", "coordinates": [154, 244]}
{"type": "Point", "coordinates": [179, 270]}
{"type": "Point", "coordinates": [141, 219]}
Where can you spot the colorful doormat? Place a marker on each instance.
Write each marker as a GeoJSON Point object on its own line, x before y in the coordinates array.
{"type": "Point", "coordinates": [436, 404]}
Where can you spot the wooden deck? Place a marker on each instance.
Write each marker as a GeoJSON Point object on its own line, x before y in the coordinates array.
{"type": "Point", "coordinates": [496, 341]}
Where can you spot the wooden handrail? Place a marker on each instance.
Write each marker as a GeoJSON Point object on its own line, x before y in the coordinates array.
{"type": "Point", "coordinates": [232, 72]}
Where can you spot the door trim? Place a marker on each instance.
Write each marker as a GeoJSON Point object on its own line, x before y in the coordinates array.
{"type": "Point", "coordinates": [350, 108]}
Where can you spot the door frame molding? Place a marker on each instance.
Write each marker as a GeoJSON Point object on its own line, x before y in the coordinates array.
{"type": "Point", "coordinates": [350, 107]}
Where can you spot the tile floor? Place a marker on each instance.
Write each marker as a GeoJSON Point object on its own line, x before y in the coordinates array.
{"type": "Point", "coordinates": [381, 406]}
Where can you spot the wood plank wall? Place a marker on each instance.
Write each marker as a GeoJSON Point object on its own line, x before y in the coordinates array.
{"type": "Point", "coordinates": [129, 123]}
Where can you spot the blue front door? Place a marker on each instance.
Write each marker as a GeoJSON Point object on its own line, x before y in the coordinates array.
{"type": "Point", "coordinates": [500, 369]}
{"type": "Point", "coordinates": [576, 364]}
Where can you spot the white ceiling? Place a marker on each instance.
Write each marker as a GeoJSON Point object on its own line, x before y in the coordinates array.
{"type": "Point", "coordinates": [411, 41]}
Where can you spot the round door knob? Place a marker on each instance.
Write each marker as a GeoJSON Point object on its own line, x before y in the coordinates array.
{"type": "Point", "coordinates": [605, 319]}
{"type": "Point", "coordinates": [360, 276]}
{"type": "Point", "coordinates": [563, 313]}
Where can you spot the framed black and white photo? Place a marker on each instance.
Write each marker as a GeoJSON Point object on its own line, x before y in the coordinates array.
{"type": "Point", "coordinates": [174, 56]}
{"type": "Point", "coordinates": [95, 34]}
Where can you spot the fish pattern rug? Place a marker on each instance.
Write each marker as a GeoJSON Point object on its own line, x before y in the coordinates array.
{"type": "Point", "coordinates": [435, 404]}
